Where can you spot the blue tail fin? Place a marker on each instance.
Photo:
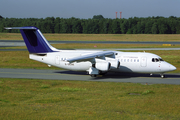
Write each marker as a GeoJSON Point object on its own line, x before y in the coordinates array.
{"type": "Point", "coordinates": [35, 41]}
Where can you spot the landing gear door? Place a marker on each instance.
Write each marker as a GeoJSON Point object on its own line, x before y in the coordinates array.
{"type": "Point", "coordinates": [143, 61]}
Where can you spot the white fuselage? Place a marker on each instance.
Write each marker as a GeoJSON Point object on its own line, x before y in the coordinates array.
{"type": "Point", "coordinates": [139, 62]}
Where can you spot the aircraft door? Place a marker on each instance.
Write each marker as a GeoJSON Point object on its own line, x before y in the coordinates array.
{"type": "Point", "coordinates": [57, 60]}
{"type": "Point", "coordinates": [143, 61]}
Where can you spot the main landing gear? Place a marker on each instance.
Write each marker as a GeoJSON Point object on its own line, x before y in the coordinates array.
{"type": "Point", "coordinates": [100, 74]}
{"type": "Point", "coordinates": [92, 75]}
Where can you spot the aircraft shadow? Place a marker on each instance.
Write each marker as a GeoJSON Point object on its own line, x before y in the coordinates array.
{"type": "Point", "coordinates": [72, 72]}
{"type": "Point", "coordinates": [117, 75]}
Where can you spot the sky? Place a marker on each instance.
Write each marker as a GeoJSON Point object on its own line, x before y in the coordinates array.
{"type": "Point", "coordinates": [85, 9]}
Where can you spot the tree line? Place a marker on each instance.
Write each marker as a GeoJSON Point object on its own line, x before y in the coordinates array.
{"type": "Point", "coordinates": [96, 25]}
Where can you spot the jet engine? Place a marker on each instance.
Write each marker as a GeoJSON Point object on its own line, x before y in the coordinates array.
{"type": "Point", "coordinates": [103, 66]}
{"type": "Point", "coordinates": [115, 64]}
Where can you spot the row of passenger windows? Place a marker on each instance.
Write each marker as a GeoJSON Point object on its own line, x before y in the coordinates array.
{"type": "Point", "coordinates": [137, 60]}
{"type": "Point", "coordinates": [129, 60]}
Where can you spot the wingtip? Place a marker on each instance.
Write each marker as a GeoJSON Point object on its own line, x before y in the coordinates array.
{"type": "Point", "coordinates": [7, 28]}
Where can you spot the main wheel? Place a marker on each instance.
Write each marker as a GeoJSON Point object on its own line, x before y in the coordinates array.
{"type": "Point", "coordinates": [93, 75]}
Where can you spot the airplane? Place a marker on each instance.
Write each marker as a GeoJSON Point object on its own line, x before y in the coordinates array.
{"type": "Point", "coordinates": [96, 62]}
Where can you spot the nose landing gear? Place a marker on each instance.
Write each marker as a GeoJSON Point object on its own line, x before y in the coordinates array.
{"type": "Point", "coordinates": [162, 75]}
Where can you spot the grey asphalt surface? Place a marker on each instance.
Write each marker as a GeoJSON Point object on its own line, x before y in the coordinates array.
{"type": "Point", "coordinates": [82, 76]}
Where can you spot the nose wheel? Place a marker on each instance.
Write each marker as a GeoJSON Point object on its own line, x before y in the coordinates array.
{"type": "Point", "coordinates": [162, 76]}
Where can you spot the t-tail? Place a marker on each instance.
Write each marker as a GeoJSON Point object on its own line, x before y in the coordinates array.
{"type": "Point", "coordinates": [34, 40]}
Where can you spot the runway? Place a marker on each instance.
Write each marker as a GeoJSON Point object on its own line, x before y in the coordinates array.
{"type": "Point", "coordinates": [82, 76]}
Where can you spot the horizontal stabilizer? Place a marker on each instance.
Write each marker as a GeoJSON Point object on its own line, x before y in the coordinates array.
{"type": "Point", "coordinates": [25, 28]}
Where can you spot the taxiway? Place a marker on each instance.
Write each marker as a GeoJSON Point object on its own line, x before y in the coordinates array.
{"type": "Point", "coordinates": [82, 76]}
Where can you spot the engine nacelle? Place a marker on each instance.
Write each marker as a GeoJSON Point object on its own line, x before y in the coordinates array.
{"type": "Point", "coordinates": [103, 66]}
{"type": "Point", "coordinates": [115, 64]}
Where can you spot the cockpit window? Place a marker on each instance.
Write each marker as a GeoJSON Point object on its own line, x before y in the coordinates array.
{"type": "Point", "coordinates": [161, 59]}
{"type": "Point", "coordinates": [153, 60]}
{"type": "Point", "coordinates": [157, 59]}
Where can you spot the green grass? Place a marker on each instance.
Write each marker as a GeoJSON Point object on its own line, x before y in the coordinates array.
{"type": "Point", "coordinates": [20, 59]}
{"type": "Point", "coordinates": [71, 89]}
{"type": "Point", "coordinates": [99, 37]}
{"type": "Point", "coordinates": [29, 99]}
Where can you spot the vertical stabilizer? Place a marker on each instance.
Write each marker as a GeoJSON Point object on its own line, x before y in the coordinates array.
{"type": "Point", "coordinates": [34, 40]}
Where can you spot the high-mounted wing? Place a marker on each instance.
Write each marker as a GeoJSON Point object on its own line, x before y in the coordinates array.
{"type": "Point", "coordinates": [101, 61]}
{"type": "Point", "coordinates": [91, 57]}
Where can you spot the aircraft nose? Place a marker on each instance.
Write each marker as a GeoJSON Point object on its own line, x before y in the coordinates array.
{"type": "Point", "coordinates": [171, 68]}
